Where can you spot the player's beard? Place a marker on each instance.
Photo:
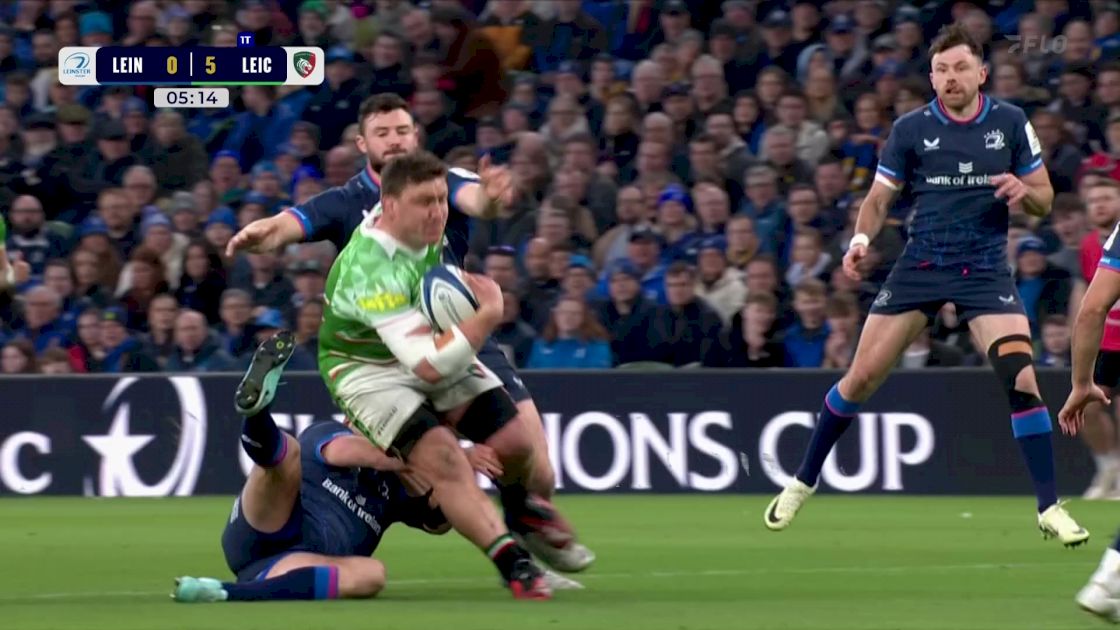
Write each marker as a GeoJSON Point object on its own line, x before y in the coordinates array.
{"type": "Point", "coordinates": [958, 97]}
{"type": "Point", "coordinates": [378, 162]}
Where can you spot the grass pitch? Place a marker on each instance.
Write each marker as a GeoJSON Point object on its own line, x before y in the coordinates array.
{"type": "Point", "coordinates": [665, 563]}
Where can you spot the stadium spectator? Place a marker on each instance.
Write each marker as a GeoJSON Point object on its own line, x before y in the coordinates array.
{"type": "Point", "coordinates": [122, 351]}
{"type": "Point", "coordinates": [514, 336]}
{"type": "Point", "coordinates": [750, 340]}
{"type": "Point", "coordinates": [29, 235]}
{"type": "Point", "coordinates": [148, 281]}
{"type": "Point", "coordinates": [805, 339]}
{"type": "Point", "coordinates": [42, 320]}
{"type": "Point", "coordinates": [196, 348]}
{"type": "Point", "coordinates": [684, 329]}
{"type": "Point", "coordinates": [720, 285]}
{"type": "Point", "coordinates": [18, 357]}
{"type": "Point", "coordinates": [1044, 289]}
{"type": "Point", "coordinates": [572, 338]}
{"type": "Point", "coordinates": [1054, 348]}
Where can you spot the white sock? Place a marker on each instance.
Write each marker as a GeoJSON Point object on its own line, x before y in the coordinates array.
{"type": "Point", "coordinates": [1108, 572]}
{"type": "Point", "coordinates": [1102, 461]}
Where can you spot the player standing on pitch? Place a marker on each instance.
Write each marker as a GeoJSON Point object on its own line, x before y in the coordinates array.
{"type": "Point", "coordinates": [967, 158]}
{"type": "Point", "coordinates": [387, 130]}
{"type": "Point", "coordinates": [1101, 596]}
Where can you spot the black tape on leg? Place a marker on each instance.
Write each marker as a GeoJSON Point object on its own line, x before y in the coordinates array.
{"type": "Point", "coordinates": [1009, 356]}
{"type": "Point", "coordinates": [486, 415]}
{"type": "Point", "coordinates": [421, 422]}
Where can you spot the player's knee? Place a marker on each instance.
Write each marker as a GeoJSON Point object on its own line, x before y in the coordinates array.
{"type": "Point", "coordinates": [439, 454]}
{"type": "Point", "coordinates": [362, 578]}
{"type": "Point", "coordinates": [513, 443]}
{"type": "Point", "coordinates": [859, 383]}
{"type": "Point", "coordinates": [1011, 358]}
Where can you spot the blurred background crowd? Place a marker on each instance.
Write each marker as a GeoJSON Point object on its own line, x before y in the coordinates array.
{"type": "Point", "coordinates": [687, 172]}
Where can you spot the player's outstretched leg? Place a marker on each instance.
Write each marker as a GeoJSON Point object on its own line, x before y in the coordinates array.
{"type": "Point", "coordinates": [529, 481]}
{"type": "Point", "coordinates": [1101, 596]}
{"type": "Point", "coordinates": [296, 576]}
{"type": "Point", "coordinates": [1011, 354]}
{"type": "Point", "coordinates": [529, 516]}
{"type": "Point", "coordinates": [436, 454]}
{"type": "Point", "coordinates": [883, 339]}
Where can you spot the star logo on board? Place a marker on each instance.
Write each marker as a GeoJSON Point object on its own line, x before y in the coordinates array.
{"type": "Point", "coordinates": [304, 63]}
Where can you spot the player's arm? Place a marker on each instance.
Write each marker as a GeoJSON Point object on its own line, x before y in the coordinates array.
{"type": "Point", "coordinates": [890, 176]}
{"type": "Point", "coordinates": [483, 195]}
{"type": "Point", "coordinates": [1030, 184]}
{"type": "Point", "coordinates": [346, 450]}
{"type": "Point", "coordinates": [1104, 291]}
{"type": "Point", "coordinates": [318, 219]}
{"type": "Point", "coordinates": [408, 334]}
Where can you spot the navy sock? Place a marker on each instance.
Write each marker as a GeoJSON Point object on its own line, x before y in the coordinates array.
{"type": "Point", "coordinates": [262, 440]}
{"type": "Point", "coordinates": [1032, 429]}
{"type": "Point", "coordinates": [305, 583]}
{"type": "Point", "coordinates": [835, 418]}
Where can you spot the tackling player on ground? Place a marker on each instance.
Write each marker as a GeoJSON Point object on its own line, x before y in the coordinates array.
{"type": "Point", "coordinates": [387, 129]}
{"type": "Point", "coordinates": [344, 489]}
{"type": "Point", "coordinates": [965, 158]}
{"type": "Point", "coordinates": [1101, 596]}
{"type": "Point", "coordinates": [312, 510]}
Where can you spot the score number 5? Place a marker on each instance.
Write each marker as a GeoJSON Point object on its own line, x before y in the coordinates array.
{"type": "Point", "coordinates": [210, 67]}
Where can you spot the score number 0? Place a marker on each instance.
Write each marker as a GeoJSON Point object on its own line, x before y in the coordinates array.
{"type": "Point", "coordinates": [173, 65]}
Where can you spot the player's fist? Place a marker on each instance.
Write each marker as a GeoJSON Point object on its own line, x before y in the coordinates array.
{"type": "Point", "coordinates": [1009, 188]}
{"type": "Point", "coordinates": [1072, 415]}
{"type": "Point", "coordinates": [852, 259]}
{"type": "Point", "coordinates": [496, 181]}
{"type": "Point", "coordinates": [488, 293]}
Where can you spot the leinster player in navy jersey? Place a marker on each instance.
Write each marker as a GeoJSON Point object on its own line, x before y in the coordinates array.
{"type": "Point", "coordinates": [387, 129]}
{"type": "Point", "coordinates": [965, 158]}
{"type": "Point", "coordinates": [314, 509]}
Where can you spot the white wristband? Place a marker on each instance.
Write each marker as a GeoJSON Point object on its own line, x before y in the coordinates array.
{"type": "Point", "coordinates": [10, 275]}
{"type": "Point", "coordinates": [455, 356]}
{"type": "Point", "coordinates": [859, 239]}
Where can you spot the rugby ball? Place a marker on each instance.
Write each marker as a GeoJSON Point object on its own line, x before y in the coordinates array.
{"type": "Point", "coordinates": [445, 297]}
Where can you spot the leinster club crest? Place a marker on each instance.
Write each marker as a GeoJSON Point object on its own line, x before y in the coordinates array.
{"type": "Point", "coordinates": [993, 140]}
{"type": "Point", "coordinates": [304, 63]}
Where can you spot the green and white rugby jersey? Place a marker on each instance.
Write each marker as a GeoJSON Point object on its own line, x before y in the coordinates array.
{"type": "Point", "coordinates": [374, 281]}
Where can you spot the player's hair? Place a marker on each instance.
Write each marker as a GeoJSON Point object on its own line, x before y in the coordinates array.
{"type": "Point", "coordinates": [765, 300]}
{"type": "Point", "coordinates": [811, 287]}
{"type": "Point", "coordinates": [842, 304]}
{"type": "Point", "coordinates": [382, 103]}
{"type": "Point", "coordinates": [954, 35]}
{"type": "Point", "coordinates": [417, 167]}
{"type": "Point", "coordinates": [460, 153]}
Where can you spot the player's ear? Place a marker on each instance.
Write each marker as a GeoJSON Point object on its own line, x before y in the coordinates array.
{"type": "Point", "coordinates": [360, 141]}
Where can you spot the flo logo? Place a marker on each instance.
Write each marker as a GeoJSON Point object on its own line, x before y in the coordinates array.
{"type": "Point", "coordinates": [304, 63]}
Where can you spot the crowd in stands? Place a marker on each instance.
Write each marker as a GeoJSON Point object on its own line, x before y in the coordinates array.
{"type": "Point", "coordinates": [686, 172]}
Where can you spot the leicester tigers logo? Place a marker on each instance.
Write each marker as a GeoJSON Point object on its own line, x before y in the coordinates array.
{"type": "Point", "coordinates": [304, 63]}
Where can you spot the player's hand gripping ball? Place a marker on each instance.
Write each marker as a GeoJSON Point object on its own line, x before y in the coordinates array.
{"type": "Point", "coordinates": [446, 297]}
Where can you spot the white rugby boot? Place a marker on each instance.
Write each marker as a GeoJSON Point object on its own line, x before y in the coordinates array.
{"type": "Point", "coordinates": [780, 512]}
{"type": "Point", "coordinates": [1055, 522]}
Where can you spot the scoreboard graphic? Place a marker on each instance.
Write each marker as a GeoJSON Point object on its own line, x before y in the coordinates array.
{"type": "Point", "coordinates": [192, 67]}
